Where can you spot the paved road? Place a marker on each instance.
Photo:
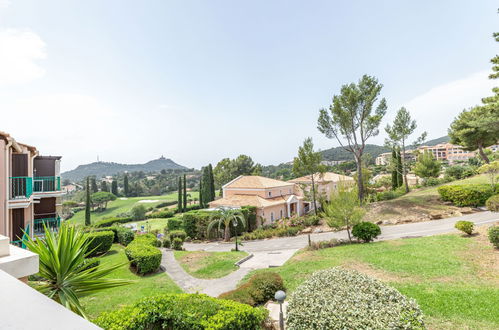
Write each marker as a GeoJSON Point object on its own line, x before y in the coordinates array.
{"type": "Point", "coordinates": [417, 229]}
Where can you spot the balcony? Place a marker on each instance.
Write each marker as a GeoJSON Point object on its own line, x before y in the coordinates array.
{"type": "Point", "coordinates": [53, 223]}
{"type": "Point", "coordinates": [46, 183]}
{"type": "Point", "coordinates": [21, 187]}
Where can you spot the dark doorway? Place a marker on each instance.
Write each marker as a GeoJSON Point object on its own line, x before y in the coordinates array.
{"type": "Point", "coordinates": [17, 224]}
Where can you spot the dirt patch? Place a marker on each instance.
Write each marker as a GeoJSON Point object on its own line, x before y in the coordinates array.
{"type": "Point", "coordinates": [377, 273]}
{"type": "Point", "coordinates": [193, 260]}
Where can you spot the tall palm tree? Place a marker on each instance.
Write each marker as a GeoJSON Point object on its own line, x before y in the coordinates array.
{"type": "Point", "coordinates": [62, 274]}
{"type": "Point", "coordinates": [224, 217]}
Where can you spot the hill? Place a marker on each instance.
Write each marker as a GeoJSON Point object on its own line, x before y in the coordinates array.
{"type": "Point", "coordinates": [100, 169]}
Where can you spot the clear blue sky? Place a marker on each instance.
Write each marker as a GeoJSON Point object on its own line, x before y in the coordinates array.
{"type": "Point", "coordinates": [197, 81]}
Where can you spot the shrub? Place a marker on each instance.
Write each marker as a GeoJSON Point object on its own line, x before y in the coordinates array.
{"type": "Point", "coordinates": [493, 234]}
{"type": "Point", "coordinates": [184, 312]}
{"type": "Point", "coordinates": [465, 226]}
{"type": "Point", "coordinates": [326, 244]}
{"type": "Point", "coordinates": [177, 243]}
{"type": "Point", "coordinates": [195, 224]}
{"type": "Point", "coordinates": [354, 301]}
{"type": "Point", "coordinates": [177, 234]}
{"type": "Point", "coordinates": [100, 242]}
{"type": "Point", "coordinates": [311, 220]}
{"type": "Point", "coordinates": [138, 212]}
{"type": "Point", "coordinates": [174, 224]}
{"type": "Point", "coordinates": [149, 239]}
{"type": "Point", "coordinates": [166, 243]}
{"type": "Point", "coordinates": [264, 285]}
{"type": "Point", "coordinates": [493, 203]}
{"type": "Point", "coordinates": [466, 195]}
{"type": "Point", "coordinates": [366, 231]}
{"type": "Point", "coordinates": [241, 295]}
{"type": "Point", "coordinates": [389, 194]}
{"type": "Point", "coordinates": [111, 221]}
{"type": "Point", "coordinates": [124, 235]}
{"type": "Point", "coordinates": [161, 214]}
{"type": "Point", "coordinates": [89, 263]}
{"type": "Point", "coordinates": [143, 255]}
{"type": "Point", "coordinates": [269, 231]}
{"type": "Point", "coordinates": [249, 213]}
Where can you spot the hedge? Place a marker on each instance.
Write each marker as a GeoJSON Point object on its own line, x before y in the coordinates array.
{"type": "Point", "coordinates": [195, 224]}
{"type": "Point", "coordinates": [161, 214]}
{"type": "Point", "coordinates": [110, 221]}
{"type": "Point", "coordinates": [100, 242]}
{"type": "Point", "coordinates": [177, 234]}
{"type": "Point", "coordinates": [143, 254]}
{"type": "Point", "coordinates": [467, 195]}
{"type": "Point", "coordinates": [337, 298]}
{"type": "Point", "coordinates": [184, 312]}
{"type": "Point", "coordinates": [493, 203]}
{"type": "Point", "coordinates": [124, 235]}
{"type": "Point", "coordinates": [493, 234]}
{"type": "Point", "coordinates": [174, 224]}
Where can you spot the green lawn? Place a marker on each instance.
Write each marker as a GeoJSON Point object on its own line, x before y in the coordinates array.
{"type": "Point", "coordinates": [114, 298]}
{"type": "Point", "coordinates": [452, 277]}
{"type": "Point", "coordinates": [202, 264]}
{"type": "Point", "coordinates": [152, 224]}
{"type": "Point", "coordinates": [122, 205]}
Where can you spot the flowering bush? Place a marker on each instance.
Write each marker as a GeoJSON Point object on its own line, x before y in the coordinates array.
{"type": "Point", "coordinates": [337, 298]}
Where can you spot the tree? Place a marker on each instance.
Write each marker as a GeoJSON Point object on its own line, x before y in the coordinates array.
{"type": "Point", "coordinates": [354, 117]}
{"type": "Point", "coordinates": [212, 182]}
{"type": "Point", "coordinates": [114, 187]}
{"type": "Point", "coordinates": [492, 170]}
{"type": "Point", "coordinates": [185, 193]}
{"type": "Point", "coordinates": [101, 198]}
{"type": "Point", "coordinates": [93, 183]}
{"type": "Point", "coordinates": [476, 128]}
{"type": "Point", "coordinates": [103, 186]}
{"type": "Point", "coordinates": [226, 217]}
{"type": "Point", "coordinates": [63, 275]}
{"type": "Point", "coordinates": [88, 201]}
{"type": "Point", "coordinates": [207, 192]}
{"type": "Point", "coordinates": [343, 210]}
{"type": "Point", "coordinates": [223, 172]}
{"type": "Point", "coordinates": [179, 198]}
{"type": "Point", "coordinates": [201, 205]}
{"type": "Point", "coordinates": [126, 190]}
{"type": "Point", "coordinates": [308, 163]}
{"type": "Point", "coordinates": [243, 165]}
{"type": "Point", "coordinates": [427, 166]}
{"type": "Point", "coordinates": [400, 178]}
{"type": "Point", "coordinates": [394, 169]}
{"type": "Point", "coordinates": [403, 126]}
{"type": "Point", "coordinates": [138, 212]}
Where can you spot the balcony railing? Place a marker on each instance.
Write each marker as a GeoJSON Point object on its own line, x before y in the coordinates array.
{"type": "Point", "coordinates": [20, 242]}
{"type": "Point", "coordinates": [21, 187]}
{"type": "Point", "coordinates": [51, 223]}
{"type": "Point", "coordinates": [46, 183]}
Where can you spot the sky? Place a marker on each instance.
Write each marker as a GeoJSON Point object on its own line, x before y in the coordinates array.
{"type": "Point", "coordinates": [197, 81]}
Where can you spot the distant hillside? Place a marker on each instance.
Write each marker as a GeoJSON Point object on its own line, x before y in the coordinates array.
{"type": "Point", "coordinates": [100, 169]}
{"type": "Point", "coordinates": [338, 153]}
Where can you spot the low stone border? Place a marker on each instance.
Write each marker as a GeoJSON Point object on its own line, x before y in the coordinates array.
{"type": "Point", "coordinates": [239, 262]}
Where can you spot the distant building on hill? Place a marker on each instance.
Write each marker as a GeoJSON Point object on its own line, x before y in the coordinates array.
{"type": "Point", "coordinates": [385, 158]}
{"type": "Point", "coordinates": [448, 152]}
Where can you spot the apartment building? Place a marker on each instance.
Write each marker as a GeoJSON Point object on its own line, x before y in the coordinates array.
{"type": "Point", "coordinates": [30, 190]}
{"type": "Point", "coordinates": [448, 152]}
{"type": "Point", "coordinates": [386, 157]}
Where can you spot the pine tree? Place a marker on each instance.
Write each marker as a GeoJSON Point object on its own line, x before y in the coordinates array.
{"type": "Point", "coordinates": [125, 185]}
{"type": "Point", "coordinates": [114, 187]}
{"type": "Point", "coordinates": [400, 176]}
{"type": "Point", "coordinates": [87, 204]}
{"type": "Point", "coordinates": [179, 199]}
{"type": "Point", "coordinates": [185, 193]}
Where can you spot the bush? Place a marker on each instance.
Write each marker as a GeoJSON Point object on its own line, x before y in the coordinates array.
{"type": "Point", "coordinates": [326, 244]}
{"type": "Point", "coordinates": [111, 221]}
{"type": "Point", "coordinates": [311, 220]}
{"type": "Point", "coordinates": [184, 312]}
{"type": "Point", "coordinates": [354, 301]}
{"type": "Point", "coordinates": [466, 195]}
{"type": "Point", "coordinates": [161, 214]}
{"type": "Point", "coordinates": [465, 226]}
{"type": "Point", "coordinates": [124, 235]}
{"type": "Point", "coordinates": [458, 172]}
{"type": "Point", "coordinates": [258, 290]}
{"type": "Point", "coordinates": [389, 194]}
{"type": "Point", "coordinates": [493, 234]}
{"type": "Point", "coordinates": [429, 182]}
{"type": "Point", "coordinates": [195, 224]}
{"type": "Point", "coordinates": [174, 224]}
{"type": "Point", "coordinates": [143, 255]}
{"type": "Point", "coordinates": [166, 243]}
{"type": "Point", "coordinates": [268, 232]}
{"type": "Point", "coordinates": [100, 242]}
{"type": "Point", "coordinates": [366, 231]}
{"type": "Point", "coordinates": [493, 203]}
{"type": "Point", "coordinates": [138, 212]}
{"type": "Point", "coordinates": [177, 234]}
{"type": "Point", "coordinates": [177, 243]}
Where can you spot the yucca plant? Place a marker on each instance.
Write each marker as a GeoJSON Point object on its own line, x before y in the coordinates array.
{"type": "Point", "coordinates": [62, 275]}
{"type": "Point", "coordinates": [224, 217]}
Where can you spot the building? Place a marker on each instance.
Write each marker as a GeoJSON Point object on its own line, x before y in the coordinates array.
{"type": "Point", "coordinates": [448, 152]}
{"type": "Point", "coordinates": [332, 162]}
{"type": "Point", "coordinates": [327, 183]}
{"type": "Point", "coordinates": [30, 190]}
{"type": "Point", "coordinates": [386, 157]}
{"type": "Point", "coordinates": [274, 199]}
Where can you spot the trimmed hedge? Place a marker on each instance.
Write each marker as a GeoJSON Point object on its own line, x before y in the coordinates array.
{"type": "Point", "coordinates": [366, 231]}
{"type": "Point", "coordinates": [111, 221]}
{"type": "Point", "coordinates": [337, 298]}
{"type": "Point", "coordinates": [268, 232]}
{"type": "Point", "coordinates": [258, 290]}
{"type": "Point", "coordinates": [177, 234]}
{"type": "Point", "coordinates": [124, 235]}
{"type": "Point", "coordinates": [465, 226]}
{"type": "Point", "coordinates": [467, 195]}
{"type": "Point", "coordinates": [143, 254]}
{"type": "Point", "coordinates": [177, 243]}
{"type": "Point", "coordinates": [184, 312]}
{"type": "Point", "coordinates": [161, 214]}
{"type": "Point", "coordinates": [493, 234]}
{"type": "Point", "coordinates": [174, 224]}
{"type": "Point", "coordinates": [195, 224]}
{"type": "Point", "coordinates": [100, 242]}
{"type": "Point", "coordinates": [493, 203]}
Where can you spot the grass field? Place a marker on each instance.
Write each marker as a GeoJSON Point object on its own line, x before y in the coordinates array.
{"type": "Point", "coordinates": [455, 279]}
{"type": "Point", "coordinates": [202, 264]}
{"type": "Point", "coordinates": [143, 286]}
{"type": "Point", "coordinates": [122, 205]}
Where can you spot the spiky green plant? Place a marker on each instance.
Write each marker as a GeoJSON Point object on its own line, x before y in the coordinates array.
{"type": "Point", "coordinates": [61, 275]}
{"type": "Point", "coordinates": [224, 217]}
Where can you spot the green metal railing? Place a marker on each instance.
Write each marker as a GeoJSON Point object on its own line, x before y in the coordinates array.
{"type": "Point", "coordinates": [52, 223]}
{"type": "Point", "coordinates": [46, 183]}
{"type": "Point", "coordinates": [20, 187]}
{"type": "Point", "coordinates": [21, 242]}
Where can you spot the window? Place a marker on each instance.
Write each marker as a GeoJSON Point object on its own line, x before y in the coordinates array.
{"type": "Point", "coordinates": [270, 194]}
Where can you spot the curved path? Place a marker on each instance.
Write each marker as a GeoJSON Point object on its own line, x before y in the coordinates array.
{"type": "Point", "coordinates": [275, 252]}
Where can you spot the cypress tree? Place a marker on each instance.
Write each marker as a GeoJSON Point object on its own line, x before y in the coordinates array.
{"type": "Point", "coordinates": [393, 165]}
{"type": "Point", "coordinates": [185, 193]}
{"type": "Point", "coordinates": [94, 185]}
{"type": "Point", "coordinates": [179, 198]}
{"type": "Point", "coordinates": [114, 187]}
{"type": "Point", "coordinates": [201, 191]}
{"type": "Point", "coordinates": [400, 176]}
{"type": "Point", "coordinates": [87, 204]}
{"type": "Point", "coordinates": [125, 185]}
{"type": "Point", "coordinates": [103, 186]}
{"type": "Point", "coordinates": [212, 182]}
